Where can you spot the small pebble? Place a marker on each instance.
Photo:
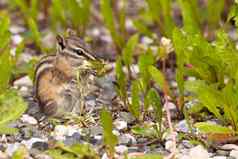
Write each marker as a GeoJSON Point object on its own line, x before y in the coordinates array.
{"type": "Point", "coordinates": [127, 139]}
{"type": "Point", "coordinates": [24, 81]}
{"type": "Point", "coordinates": [229, 147]}
{"type": "Point", "coordinates": [30, 142]}
{"type": "Point", "coordinates": [234, 153]}
{"type": "Point", "coordinates": [120, 125]}
{"type": "Point", "coordinates": [198, 152]}
{"type": "Point", "coordinates": [62, 131]}
{"type": "Point", "coordinates": [219, 157]}
{"type": "Point", "coordinates": [28, 119]}
{"type": "Point", "coordinates": [169, 145]}
{"type": "Point", "coordinates": [42, 156]}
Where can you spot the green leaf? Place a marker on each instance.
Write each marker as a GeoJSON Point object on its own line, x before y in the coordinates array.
{"type": "Point", "coordinates": [207, 95]}
{"type": "Point", "coordinates": [57, 13]}
{"type": "Point", "coordinates": [206, 127]}
{"type": "Point", "coordinates": [121, 80]}
{"type": "Point", "coordinates": [145, 60]}
{"type": "Point", "coordinates": [135, 99]}
{"type": "Point", "coordinates": [4, 32]}
{"type": "Point", "coordinates": [129, 49]}
{"type": "Point", "coordinates": [161, 14]}
{"type": "Point", "coordinates": [214, 6]}
{"type": "Point", "coordinates": [110, 139]}
{"type": "Point", "coordinates": [107, 13]}
{"type": "Point", "coordinates": [190, 15]}
{"type": "Point", "coordinates": [179, 43]}
{"type": "Point", "coordinates": [155, 101]}
{"type": "Point", "coordinates": [35, 32]}
{"type": "Point", "coordinates": [6, 65]}
{"type": "Point", "coordinates": [145, 131]}
{"type": "Point", "coordinates": [157, 76]}
{"type": "Point", "coordinates": [12, 107]}
{"type": "Point", "coordinates": [142, 28]}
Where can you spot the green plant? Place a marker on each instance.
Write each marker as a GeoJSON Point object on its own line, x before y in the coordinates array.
{"type": "Point", "coordinates": [110, 23]}
{"type": "Point", "coordinates": [110, 140]}
{"type": "Point", "coordinates": [71, 13]}
{"type": "Point", "coordinates": [76, 151]}
{"type": "Point", "coordinates": [12, 105]}
{"type": "Point", "coordinates": [160, 11]}
{"type": "Point", "coordinates": [212, 65]}
{"type": "Point", "coordinates": [29, 10]}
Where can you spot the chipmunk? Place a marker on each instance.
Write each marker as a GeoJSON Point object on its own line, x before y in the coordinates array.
{"type": "Point", "coordinates": [55, 80]}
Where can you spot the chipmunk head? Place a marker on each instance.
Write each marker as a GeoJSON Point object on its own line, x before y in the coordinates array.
{"type": "Point", "coordinates": [74, 46]}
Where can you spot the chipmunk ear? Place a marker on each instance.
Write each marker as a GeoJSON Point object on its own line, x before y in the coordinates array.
{"type": "Point", "coordinates": [60, 41]}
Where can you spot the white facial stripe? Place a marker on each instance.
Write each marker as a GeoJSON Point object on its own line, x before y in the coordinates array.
{"type": "Point", "coordinates": [84, 52]}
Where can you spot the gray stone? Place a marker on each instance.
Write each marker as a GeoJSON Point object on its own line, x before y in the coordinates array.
{"type": "Point", "coordinates": [120, 125]}
{"type": "Point", "coordinates": [95, 130]}
{"type": "Point", "coordinates": [222, 152]}
{"type": "Point", "coordinates": [126, 116]}
{"type": "Point", "coordinates": [126, 139]}
{"type": "Point", "coordinates": [74, 139]}
{"type": "Point", "coordinates": [218, 157]}
{"type": "Point", "coordinates": [187, 144]}
{"type": "Point", "coordinates": [29, 143]}
{"type": "Point", "coordinates": [42, 146]}
{"type": "Point", "coordinates": [182, 126]}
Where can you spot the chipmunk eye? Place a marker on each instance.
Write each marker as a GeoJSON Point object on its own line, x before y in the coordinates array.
{"type": "Point", "coordinates": [79, 51]}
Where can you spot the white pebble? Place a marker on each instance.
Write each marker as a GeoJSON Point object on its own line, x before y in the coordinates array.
{"type": "Point", "coordinates": [120, 125]}
{"type": "Point", "coordinates": [24, 81]}
{"type": "Point", "coordinates": [198, 152]}
{"type": "Point", "coordinates": [169, 145]}
{"type": "Point", "coordinates": [28, 119]}
{"type": "Point", "coordinates": [234, 153]}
